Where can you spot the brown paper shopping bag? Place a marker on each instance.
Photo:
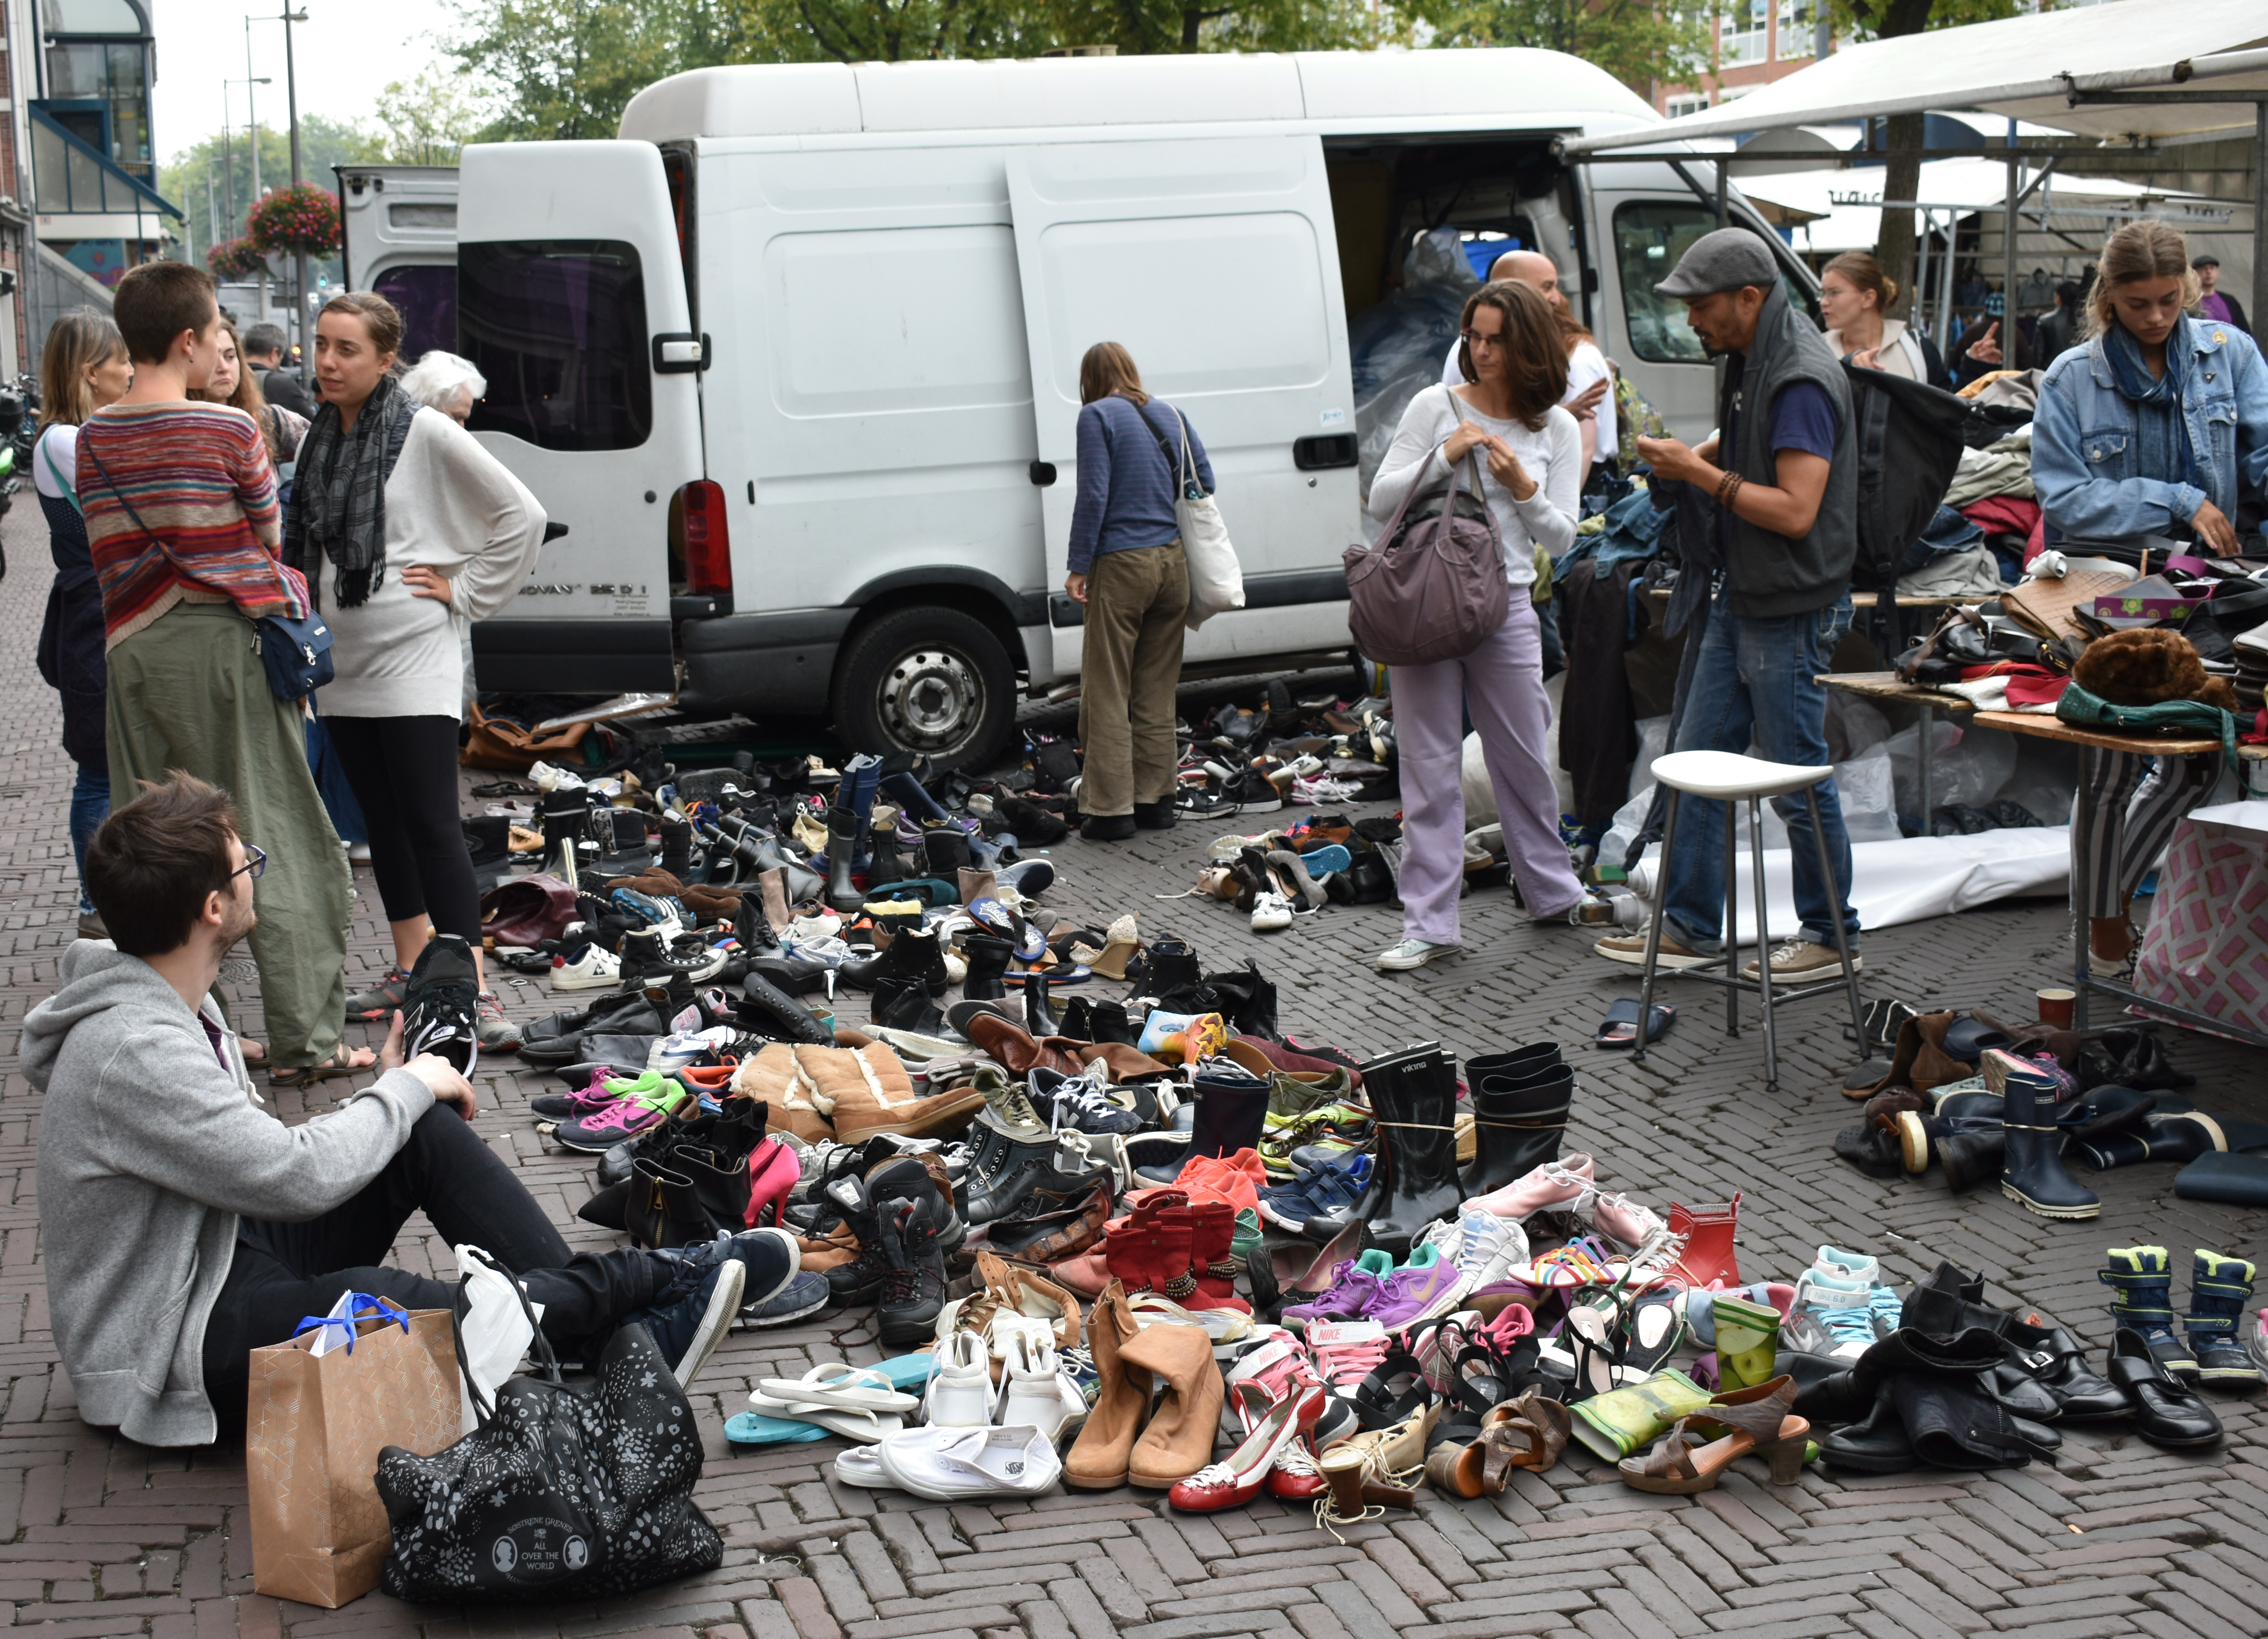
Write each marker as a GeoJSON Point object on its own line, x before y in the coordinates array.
{"type": "Point", "coordinates": [313, 1427]}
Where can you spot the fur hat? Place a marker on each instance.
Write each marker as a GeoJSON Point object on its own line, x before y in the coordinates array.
{"type": "Point", "coordinates": [2147, 666]}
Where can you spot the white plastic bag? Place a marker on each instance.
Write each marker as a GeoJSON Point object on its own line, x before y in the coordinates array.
{"type": "Point", "coordinates": [495, 1330]}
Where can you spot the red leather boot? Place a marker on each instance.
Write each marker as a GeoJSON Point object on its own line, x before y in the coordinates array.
{"type": "Point", "coordinates": [1708, 1258]}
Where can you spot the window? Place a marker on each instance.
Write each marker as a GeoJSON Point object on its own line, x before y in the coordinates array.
{"type": "Point", "coordinates": [427, 297]}
{"type": "Point", "coordinates": [1677, 106]}
{"type": "Point", "coordinates": [106, 78]}
{"type": "Point", "coordinates": [1793, 38]}
{"type": "Point", "coordinates": [1648, 240]}
{"type": "Point", "coordinates": [558, 327]}
{"type": "Point", "coordinates": [96, 17]}
{"type": "Point", "coordinates": [1741, 33]}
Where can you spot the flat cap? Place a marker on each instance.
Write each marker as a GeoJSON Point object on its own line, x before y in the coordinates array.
{"type": "Point", "coordinates": [2206, 260]}
{"type": "Point", "coordinates": [1723, 260]}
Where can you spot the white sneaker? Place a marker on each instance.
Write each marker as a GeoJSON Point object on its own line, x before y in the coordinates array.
{"type": "Point", "coordinates": [1271, 912]}
{"type": "Point", "coordinates": [1035, 1393]}
{"type": "Point", "coordinates": [960, 1394]}
{"type": "Point", "coordinates": [862, 1465]}
{"type": "Point", "coordinates": [543, 777]}
{"type": "Point", "coordinates": [1489, 1248]}
{"type": "Point", "coordinates": [1411, 953]}
{"type": "Point", "coordinates": [594, 967]}
{"type": "Point", "coordinates": [951, 1465]}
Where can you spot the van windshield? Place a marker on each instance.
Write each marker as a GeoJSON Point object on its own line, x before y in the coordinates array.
{"type": "Point", "coordinates": [558, 327]}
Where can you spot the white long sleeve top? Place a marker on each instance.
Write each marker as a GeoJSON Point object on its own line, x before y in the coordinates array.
{"type": "Point", "coordinates": [1553, 457]}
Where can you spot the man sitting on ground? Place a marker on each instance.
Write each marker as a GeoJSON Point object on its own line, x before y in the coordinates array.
{"type": "Point", "coordinates": [182, 1226]}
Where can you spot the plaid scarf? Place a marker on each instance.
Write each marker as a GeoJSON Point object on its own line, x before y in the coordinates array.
{"type": "Point", "coordinates": [338, 502]}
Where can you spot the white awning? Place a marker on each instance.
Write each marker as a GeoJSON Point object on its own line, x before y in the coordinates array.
{"type": "Point", "coordinates": [2020, 66]}
{"type": "Point", "coordinates": [1848, 212]}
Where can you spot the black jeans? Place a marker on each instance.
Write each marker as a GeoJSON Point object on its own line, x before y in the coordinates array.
{"type": "Point", "coordinates": [283, 1272]}
{"type": "Point", "coordinates": [404, 773]}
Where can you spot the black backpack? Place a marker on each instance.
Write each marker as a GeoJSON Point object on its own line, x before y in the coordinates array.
{"type": "Point", "coordinates": [1909, 436]}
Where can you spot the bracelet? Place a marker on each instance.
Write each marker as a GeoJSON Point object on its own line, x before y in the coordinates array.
{"type": "Point", "coordinates": [1725, 483]}
{"type": "Point", "coordinates": [1729, 491]}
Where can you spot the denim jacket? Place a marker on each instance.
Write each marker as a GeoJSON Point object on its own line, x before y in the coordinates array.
{"type": "Point", "coordinates": [2083, 456]}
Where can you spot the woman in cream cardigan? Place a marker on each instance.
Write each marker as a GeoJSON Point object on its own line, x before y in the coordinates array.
{"type": "Point", "coordinates": [1854, 293]}
{"type": "Point", "coordinates": [407, 531]}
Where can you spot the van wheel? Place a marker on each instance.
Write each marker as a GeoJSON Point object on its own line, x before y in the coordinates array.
{"type": "Point", "coordinates": [933, 681]}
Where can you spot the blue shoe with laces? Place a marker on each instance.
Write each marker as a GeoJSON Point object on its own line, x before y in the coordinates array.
{"type": "Point", "coordinates": [1833, 1316]}
{"type": "Point", "coordinates": [1333, 1186]}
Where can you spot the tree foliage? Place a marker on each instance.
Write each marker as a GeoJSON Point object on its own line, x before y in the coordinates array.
{"type": "Point", "coordinates": [1635, 40]}
{"type": "Point", "coordinates": [323, 142]}
{"type": "Point", "coordinates": [428, 119]}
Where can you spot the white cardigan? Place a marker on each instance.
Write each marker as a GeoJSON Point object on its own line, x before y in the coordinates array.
{"type": "Point", "coordinates": [454, 507]}
{"type": "Point", "coordinates": [1553, 457]}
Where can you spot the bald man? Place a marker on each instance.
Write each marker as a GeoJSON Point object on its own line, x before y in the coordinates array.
{"type": "Point", "coordinates": [1590, 385]}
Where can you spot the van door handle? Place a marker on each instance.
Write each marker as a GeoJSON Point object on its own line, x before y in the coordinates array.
{"type": "Point", "coordinates": [1043, 473]}
{"type": "Point", "coordinates": [1325, 451]}
{"type": "Point", "coordinates": [680, 353]}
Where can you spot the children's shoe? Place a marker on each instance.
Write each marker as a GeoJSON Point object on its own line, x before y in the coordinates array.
{"type": "Point", "coordinates": [2142, 1278]}
{"type": "Point", "coordinates": [1330, 1188]}
{"type": "Point", "coordinates": [1355, 1285]}
{"type": "Point", "coordinates": [2219, 1289]}
{"type": "Point", "coordinates": [1748, 1341]}
{"type": "Point", "coordinates": [1428, 1285]}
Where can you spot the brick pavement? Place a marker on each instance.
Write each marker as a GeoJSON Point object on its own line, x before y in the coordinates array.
{"type": "Point", "coordinates": [98, 1536]}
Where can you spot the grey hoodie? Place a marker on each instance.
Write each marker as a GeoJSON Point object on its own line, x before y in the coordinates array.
{"type": "Point", "coordinates": [149, 1151]}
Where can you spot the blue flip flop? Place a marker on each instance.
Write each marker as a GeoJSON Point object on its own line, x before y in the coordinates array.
{"type": "Point", "coordinates": [753, 1428]}
{"type": "Point", "coordinates": [1619, 1028]}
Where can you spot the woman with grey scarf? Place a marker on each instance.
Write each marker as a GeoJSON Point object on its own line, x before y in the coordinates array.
{"type": "Point", "coordinates": [407, 530]}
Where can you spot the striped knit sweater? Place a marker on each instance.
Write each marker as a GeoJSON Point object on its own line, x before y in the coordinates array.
{"type": "Point", "coordinates": [199, 476]}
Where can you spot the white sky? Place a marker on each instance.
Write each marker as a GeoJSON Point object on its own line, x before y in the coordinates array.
{"type": "Point", "coordinates": [346, 54]}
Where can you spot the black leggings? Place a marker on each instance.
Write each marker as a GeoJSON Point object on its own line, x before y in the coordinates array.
{"type": "Point", "coordinates": [281, 1272]}
{"type": "Point", "coordinates": [404, 773]}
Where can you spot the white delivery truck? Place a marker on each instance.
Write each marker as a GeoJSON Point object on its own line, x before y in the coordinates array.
{"type": "Point", "coordinates": [795, 361]}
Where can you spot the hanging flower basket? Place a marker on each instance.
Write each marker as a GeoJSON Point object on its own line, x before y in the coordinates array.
{"type": "Point", "coordinates": [291, 220]}
{"type": "Point", "coordinates": [236, 259]}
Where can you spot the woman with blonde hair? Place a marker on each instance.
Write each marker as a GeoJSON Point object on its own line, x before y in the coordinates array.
{"type": "Point", "coordinates": [1855, 296]}
{"type": "Point", "coordinates": [238, 388]}
{"type": "Point", "coordinates": [1128, 570]}
{"type": "Point", "coordinates": [83, 366]}
{"type": "Point", "coordinates": [2150, 429]}
{"type": "Point", "coordinates": [1507, 423]}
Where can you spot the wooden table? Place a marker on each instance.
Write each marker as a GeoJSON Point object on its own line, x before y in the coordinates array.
{"type": "Point", "coordinates": [2092, 744]}
{"type": "Point", "coordinates": [1888, 685]}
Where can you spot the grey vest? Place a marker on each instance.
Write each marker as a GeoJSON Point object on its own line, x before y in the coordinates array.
{"type": "Point", "coordinates": [1767, 574]}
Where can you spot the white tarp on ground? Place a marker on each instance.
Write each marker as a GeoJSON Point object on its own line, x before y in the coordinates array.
{"type": "Point", "coordinates": [1911, 880]}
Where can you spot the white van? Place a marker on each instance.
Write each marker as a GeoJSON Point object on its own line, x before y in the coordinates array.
{"type": "Point", "coordinates": [795, 361]}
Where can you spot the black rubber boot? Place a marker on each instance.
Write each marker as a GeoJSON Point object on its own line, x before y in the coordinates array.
{"type": "Point", "coordinates": [988, 967]}
{"type": "Point", "coordinates": [1973, 1154]}
{"type": "Point", "coordinates": [2031, 1170]}
{"type": "Point", "coordinates": [1413, 1094]}
{"type": "Point", "coordinates": [1907, 1352]}
{"type": "Point", "coordinates": [1039, 1018]}
{"type": "Point", "coordinates": [1517, 1119]}
{"type": "Point", "coordinates": [2219, 1288]}
{"type": "Point", "coordinates": [842, 848]}
{"type": "Point", "coordinates": [1226, 1116]}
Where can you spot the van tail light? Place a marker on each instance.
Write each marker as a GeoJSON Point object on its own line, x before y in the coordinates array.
{"type": "Point", "coordinates": [707, 541]}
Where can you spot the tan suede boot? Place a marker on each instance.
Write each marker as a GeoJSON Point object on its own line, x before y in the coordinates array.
{"type": "Point", "coordinates": [873, 1094]}
{"type": "Point", "coordinates": [1179, 1439]}
{"type": "Point", "coordinates": [975, 884]}
{"type": "Point", "coordinates": [773, 887]}
{"type": "Point", "coordinates": [774, 1076]}
{"type": "Point", "coordinates": [1099, 1458]}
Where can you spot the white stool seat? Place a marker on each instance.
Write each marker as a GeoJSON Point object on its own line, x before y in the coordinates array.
{"type": "Point", "coordinates": [1722, 776]}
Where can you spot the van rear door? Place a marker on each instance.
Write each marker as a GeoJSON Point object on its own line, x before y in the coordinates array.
{"type": "Point", "coordinates": [571, 299]}
{"type": "Point", "coordinates": [1213, 261]}
{"type": "Point", "coordinates": [400, 226]}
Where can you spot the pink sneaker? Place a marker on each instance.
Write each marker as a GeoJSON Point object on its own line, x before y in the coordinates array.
{"type": "Point", "coordinates": [1555, 1186]}
{"type": "Point", "coordinates": [1624, 1221]}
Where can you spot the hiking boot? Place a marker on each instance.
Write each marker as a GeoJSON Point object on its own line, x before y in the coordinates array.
{"type": "Point", "coordinates": [913, 1282]}
{"type": "Point", "coordinates": [1631, 948]}
{"type": "Point", "coordinates": [382, 999]}
{"type": "Point", "coordinates": [441, 1004]}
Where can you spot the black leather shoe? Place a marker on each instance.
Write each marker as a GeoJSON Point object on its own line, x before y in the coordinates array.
{"type": "Point", "coordinates": [1106, 827]}
{"type": "Point", "coordinates": [1949, 1301]}
{"type": "Point", "coordinates": [2167, 1411]}
{"type": "Point", "coordinates": [1877, 1444]}
{"type": "Point", "coordinates": [1157, 815]}
{"type": "Point", "coordinates": [1907, 1352]}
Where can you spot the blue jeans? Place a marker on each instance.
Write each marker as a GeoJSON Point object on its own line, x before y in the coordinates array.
{"type": "Point", "coordinates": [90, 807]}
{"type": "Point", "coordinates": [1754, 680]}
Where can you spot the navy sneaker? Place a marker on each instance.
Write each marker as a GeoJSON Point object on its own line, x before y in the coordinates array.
{"type": "Point", "coordinates": [1330, 1187]}
{"type": "Point", "coordinates": [695, 1309]}
{"type": "Point", "coordinates": [806, 1293]}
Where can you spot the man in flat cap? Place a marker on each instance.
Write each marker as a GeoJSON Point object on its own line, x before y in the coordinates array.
{"type": "Point", "coordinates": [1785, 505]}
{"type": "Point", "coordinates": [2217, 303]}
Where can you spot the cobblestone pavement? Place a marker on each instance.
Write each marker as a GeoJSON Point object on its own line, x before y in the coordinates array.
{"type": "Point", "coordinates": [99, 1536]}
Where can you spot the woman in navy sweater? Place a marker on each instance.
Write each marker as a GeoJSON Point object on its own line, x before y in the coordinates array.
{"type": "Point", "coordinates": [1127, 568]}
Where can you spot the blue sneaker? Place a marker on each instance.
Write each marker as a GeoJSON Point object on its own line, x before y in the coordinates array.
{"type": "Point", "coordinates": [1328, 1188]}
{"type": "Point", "coordinates": [646, 910]}
{"type": "Point", "coordinates": [694, 1311]}
{"type": "Point", "coordinates": [1331, 856]}
{"type": "Point", "coordinates": [806, 1293]}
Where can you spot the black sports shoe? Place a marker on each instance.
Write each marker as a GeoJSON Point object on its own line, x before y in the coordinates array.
{"type": "Point", "coordinates": [913, 1284]}
{"type": "Point", "coordinates": [441, 1005]}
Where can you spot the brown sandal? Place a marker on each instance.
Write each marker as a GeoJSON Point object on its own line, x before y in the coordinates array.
{"type": "Point", "coordinates": [1742, 1420]}
{"type": "Point", "coordinates": [341, 1062]}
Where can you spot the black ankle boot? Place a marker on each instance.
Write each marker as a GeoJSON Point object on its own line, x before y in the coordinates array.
{"type": "Point", "coordinates": [946, 852]}
{"type": "Point", "coordinates": [913, 955]}
{"type": "Point", "coordinates": [1876, 1444]}
{"type": "Point", "coordinates": [1039, 1010]}
{"type": "Point", "coordinates": [753, 929]}
{"type": "Point", "coordinates": [1173, 966]}
{"type": "Point", "coordinates": [1971, 1156]}
{"type": "Point", "coordinates": [988, 967]}
{"type": "Point", "coordinates": [1948, 1301]}
{"type": "Point", "coordinates": [1518, 1120]}
{"type": "Point", "coordinates": [907, 1005]}
{"type": "Point", "coordinates": [1414, 1180]}
{"type": "Point", "coordinates": [2031, 1172]}
{"type": "Point", "coordinates": [488, 838]}
{"type": "Point", "coordinates": [842, 844]}
{"type": "Point", "coordinates": [1108, 1022]}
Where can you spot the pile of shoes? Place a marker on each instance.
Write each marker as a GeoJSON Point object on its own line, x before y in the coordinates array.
{"type": "Point", "coordinates": [1277, 876]}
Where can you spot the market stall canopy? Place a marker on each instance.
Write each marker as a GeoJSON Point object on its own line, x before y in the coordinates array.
{"type": "Point", "coordinates": [2026, 67]}
{"type": "Point", "coordinates": [1841, 210]}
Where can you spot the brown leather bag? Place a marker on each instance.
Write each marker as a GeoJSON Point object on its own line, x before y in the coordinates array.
{"type": "Point", "coordinates": [496, 742]}
{"type": "Point", "coordinates": [527, 911]}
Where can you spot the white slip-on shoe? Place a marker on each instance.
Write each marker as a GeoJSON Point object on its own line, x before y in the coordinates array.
{"type": "Point", "coordinates": [963, 1465]}
{"type": "Point", "coordinates": [858, 1466]}
{"type": "Point", "coordinates": [960, 1394]}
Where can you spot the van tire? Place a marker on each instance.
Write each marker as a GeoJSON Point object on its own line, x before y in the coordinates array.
{"type": "Point", "coordinates": [932, 681]}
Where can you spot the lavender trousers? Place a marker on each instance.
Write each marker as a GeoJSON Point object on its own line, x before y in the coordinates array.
{"type": "Point", "coordinates": [1501, 684]}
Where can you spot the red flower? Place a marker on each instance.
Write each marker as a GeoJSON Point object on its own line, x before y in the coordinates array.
{"type": "Point", "coordinates": [235, 259]}
{"type": "Point", "coordinates": [293, 220]}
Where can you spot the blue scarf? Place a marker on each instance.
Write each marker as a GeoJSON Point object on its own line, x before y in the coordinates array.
{"type": "Point", "coordinates": [2161, 432]}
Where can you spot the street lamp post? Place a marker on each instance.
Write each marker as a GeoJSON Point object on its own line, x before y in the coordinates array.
{"type": "Point", "coordinates": [252, 114]}
{"type": "Point", "coordinates": [291, 90]}
{"type": "Point", "coordinates": [228, 148]}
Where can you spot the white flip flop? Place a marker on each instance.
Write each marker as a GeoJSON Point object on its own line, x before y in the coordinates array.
{"type": "Point", "coordinates": [840, 1387]}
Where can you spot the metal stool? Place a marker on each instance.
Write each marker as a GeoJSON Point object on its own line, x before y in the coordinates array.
{"type": "Point", "coordinates": [1724, 778]}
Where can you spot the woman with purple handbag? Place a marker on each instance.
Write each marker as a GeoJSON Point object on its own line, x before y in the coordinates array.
{"type": "Point", "coordinates": [1458, 643]}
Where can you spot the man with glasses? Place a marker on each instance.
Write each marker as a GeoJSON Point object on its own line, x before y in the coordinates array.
{"type": "Point", "coordinates": [183, 1226]}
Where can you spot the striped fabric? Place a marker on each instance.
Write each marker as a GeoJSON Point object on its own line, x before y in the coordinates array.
{"type": "Point", "coordinates": [199, 476]}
